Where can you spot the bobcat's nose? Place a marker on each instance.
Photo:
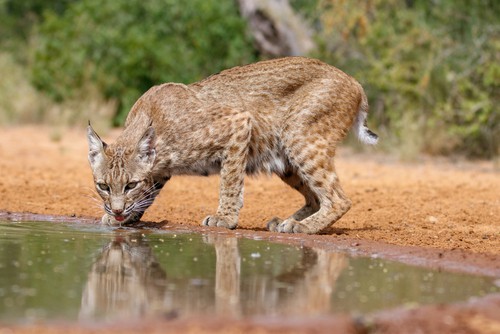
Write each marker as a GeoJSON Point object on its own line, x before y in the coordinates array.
{"type": "Point", "coordinates": [117, 212]}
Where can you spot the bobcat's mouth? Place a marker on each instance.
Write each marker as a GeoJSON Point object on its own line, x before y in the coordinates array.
{"type": "Point", "coordinates": [125, 216]}
{"type": "Point", "coordinates": [120, 218]}
{"type": "Point", "coordinates": [128, 217]}
{"type": "Point", "coordinates": [131, 214]}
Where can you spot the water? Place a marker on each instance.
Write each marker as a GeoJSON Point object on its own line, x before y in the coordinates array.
{"type": "Point", "coordinates": [81, 272]}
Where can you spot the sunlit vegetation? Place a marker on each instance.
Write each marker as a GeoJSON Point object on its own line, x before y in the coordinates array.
{"type": "Point", "coordinates": [431, 69]}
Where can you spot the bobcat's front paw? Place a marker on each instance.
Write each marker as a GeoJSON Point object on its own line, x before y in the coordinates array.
{"type": "Point", "coordinates": [220, 221]}
{"type": "Point", "coordinates": [289, 225]}
{"type": "Point", "coordinates": [273, 224]}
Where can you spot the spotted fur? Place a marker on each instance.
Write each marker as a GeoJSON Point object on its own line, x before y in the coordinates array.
{"type": "Point", "coordinates": [283, 116]}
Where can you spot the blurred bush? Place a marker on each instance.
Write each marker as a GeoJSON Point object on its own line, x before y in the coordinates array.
{"type": "Point", "coordinates": [431, 69]}
{"type": "Point", "coordinates": [126, 46]}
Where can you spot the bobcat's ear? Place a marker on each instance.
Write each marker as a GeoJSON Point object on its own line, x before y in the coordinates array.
{"type": "Point", "coordinates": [146, 152]}
{"type": "Point", "coordinates": [96, 146]}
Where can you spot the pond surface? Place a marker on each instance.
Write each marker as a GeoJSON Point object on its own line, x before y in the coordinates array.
{"type": "Point", "coordinates": [81, 272]}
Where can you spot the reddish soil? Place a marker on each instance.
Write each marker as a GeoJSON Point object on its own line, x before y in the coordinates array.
{"type": "Point", "coordinates": [432, 212]}
{"type": "Point", "coordinates": [481, 317]}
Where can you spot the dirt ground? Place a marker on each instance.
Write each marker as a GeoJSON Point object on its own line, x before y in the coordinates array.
{"type": "Point", "coordinates": [438, 204]}
{"type": "Point", "coordinates": [431, 203]}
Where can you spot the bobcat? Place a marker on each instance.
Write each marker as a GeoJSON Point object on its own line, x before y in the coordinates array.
{"type": "Point", "coordinates": [282, 116]}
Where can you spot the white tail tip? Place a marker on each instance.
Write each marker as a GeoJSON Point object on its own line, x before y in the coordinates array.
{"type": "Point", "coordinates": [364, 134]}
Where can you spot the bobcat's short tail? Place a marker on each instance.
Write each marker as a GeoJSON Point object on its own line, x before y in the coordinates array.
{"type": "Point", "coordinates": [364, 134]}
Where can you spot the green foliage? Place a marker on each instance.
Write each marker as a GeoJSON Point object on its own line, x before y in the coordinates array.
{"type": "Point", "coordinates": [431, 70]}
{"type": "Point", "coordinates": [127, 46]}
{"type": "Point", "coordinates": [18, 17]}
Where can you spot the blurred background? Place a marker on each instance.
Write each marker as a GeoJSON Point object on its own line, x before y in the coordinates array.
{"type": "Point", "coordinates": [431, 69]}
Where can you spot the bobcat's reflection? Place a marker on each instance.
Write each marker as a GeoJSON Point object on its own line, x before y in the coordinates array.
{"type": "Point", "coordinates": [126, 281]}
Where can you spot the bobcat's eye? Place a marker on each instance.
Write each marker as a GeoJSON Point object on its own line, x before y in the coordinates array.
{"type": "Point", "coordinates": [131, 185]}
{"type": "Point", "coordinates": [103, 186]}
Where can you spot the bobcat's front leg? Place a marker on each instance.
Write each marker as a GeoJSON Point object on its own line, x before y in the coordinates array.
{"type": "Point", "coordinates": [232, 175]}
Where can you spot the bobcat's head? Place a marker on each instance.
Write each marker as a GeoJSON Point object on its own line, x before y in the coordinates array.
{"type": "Point", "coordinates": [123, 175]}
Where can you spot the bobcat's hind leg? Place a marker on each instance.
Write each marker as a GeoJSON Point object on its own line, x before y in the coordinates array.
{"type": "Point", "coordinates": [311, 205]}
{"type": "Point", "coordinates": [317, 123]}
{"type": "Point", "coordinates": [333, 203]}
{"type": "Point", "coordinates": [232, 176]}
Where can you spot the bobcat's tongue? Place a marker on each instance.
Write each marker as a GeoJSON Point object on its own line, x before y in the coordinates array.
{"type": "Point", "coordinates": [120, 218]}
